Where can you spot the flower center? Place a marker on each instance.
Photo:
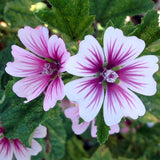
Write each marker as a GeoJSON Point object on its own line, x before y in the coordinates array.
{"type": "Point", "coordinates": [50, 68]}
{"type": "Point", "coordinates": [109, 75]}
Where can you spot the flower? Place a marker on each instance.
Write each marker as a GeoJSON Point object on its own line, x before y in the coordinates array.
{"type": "Point", "coordinates": [14, 146]}
{"type": "Point", "coordinates": [42, 71]}
{"type": "Point", "coordinates": [121, 73]}
{"type": "Point", "coordinates": [72, 112]}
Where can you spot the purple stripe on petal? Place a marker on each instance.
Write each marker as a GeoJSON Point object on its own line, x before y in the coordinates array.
{"type": "Point", "coordinates": [119, 49]}
{"type": "Point", "coordinates": [94, 63]}
{"type": "Point", "coordinates": [5, 148]}
{"type": "Point", "coordinates": [20, 149]}
{"type": "Point", "coordinates": [88, 93]}
{"type": "Point", "coordinates": [118, 58]}
{"type": "Point", "coordinates": [138, 75]}
{"type": "Point", "coordinates": [119, 102]}
{"type": "Point", "coordinates": [94, 87]}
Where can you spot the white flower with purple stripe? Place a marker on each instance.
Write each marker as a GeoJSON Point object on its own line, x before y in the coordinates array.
{"type": "Point", "coordinates": [14, 147]}
{"type": "Point", "coordinates": [41, 67]}
{"type": "Point", "coordinates": [110, 83]}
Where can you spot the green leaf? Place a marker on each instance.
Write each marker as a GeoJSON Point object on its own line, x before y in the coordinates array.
{"type": "Point", "coordinates": [5, 56]}
{"type": "Point", "coordinates": [102, 128]}
{"type": "Point", "coordinates": [3, 2]}
{"type": "Point", "coordinates": [102, 153]}
{"type": "Point", "coordinates": [57, 136]}
{"type": "Point", "coordinates": [74, 149]}
{"type": "Point", "coordinates": [54, 143]}
{"type": "Point", "coordinates": [20, 120]}
{"type": "Point", "coordinates": [70, 17]}
{"type": "Point", "coordinates": [148, 30]}
{"type": "Point", "coordinates": [81, 120]}
{"type": "Point", "coordinates": [148, 117]}
{"type": "Point", "coordinates": [129, 29]}
{"type": "Point", "coordinates": [154, 47]}
{"type": "Point", "coordinates": [18, 14]}
{"type": "Point", "coordinates": [117, 10]}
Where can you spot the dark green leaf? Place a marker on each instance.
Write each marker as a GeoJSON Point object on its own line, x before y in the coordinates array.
{"type": "Point", "coordinates": [3, 2]}
{"type": "Point", "coordinates": [148, 30]}
{"type": "Point", "coordinates": [20, 120]}
{"type": "Point", "coordinates": [128, 29]}
{"type": "Point", "coordinates": [54, 143]}
{"type": "Point", "coordinates": [117, 10]}
{"type": "Point", "coordinates": [5, 56]}
{"type": "Point", "coordinates": [18, 14]}
{"type": "Point", "coordinates": [102, 128]}
{"type": "Point", "coordinates": [102, 153]}
{"type": "Point", "coordinates": [74, 149]}
{"type": "Point", "coordinates": [56, 138]}
{"type": "Point", "coordinates": [70, 17]}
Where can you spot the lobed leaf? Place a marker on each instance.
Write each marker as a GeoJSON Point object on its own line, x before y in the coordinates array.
{"type": "Point", "coordinates": [102, 153]}
{"type": "Point", "coordinates": [117, 10]}
{"type": "Point", "coordinates": [18, 14]}
{"type": "Point", "coordinates": [20, 120]}
{"type": "Point", "coordinates": [148, 30]}
{"type": "Point", "coordinates": [70, 17]}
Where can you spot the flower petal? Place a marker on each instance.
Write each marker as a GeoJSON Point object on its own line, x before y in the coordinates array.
{"type": "Point", "coordinates": [54, 92]}
{"type": "Point", "coordinates": [114, 129]}
{"type": "Point", "coordinates": [88, 93]}
{"type": "Point", "coordinates": [20, 151]}
{"type": "Point", "coordinates": [73, 114]}
{"type": "Point", "coordinates": [89, 60]}
{"type": "Point", "coordinates": [31, 87]}
{"type": "Point", "coordinates": [6, 149]}
{"type": "Point", "coordinates": [119, 102]}
{"type": "Point", "coordinates": [120, 49]}
{"type": "Point", "coordinates": [35, 149]}
{"type": "Point", "coordinates": [40, 132]}
{"type": "Point", "coordinates": [25, 63]}
{"type": "Point", "coordinates": [138, 75]}
{"type": "Point", "coordinates": [93, 129]}
{"type": "Point", "coordinates": [35, 40]}
{"type": "Point", "coordinates": [58, 52]}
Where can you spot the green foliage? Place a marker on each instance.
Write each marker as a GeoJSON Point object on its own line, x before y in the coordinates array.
{"type": "Point", "coordinates": [102, 128]}
{"type": "Point", "coordinates": [3, 2]}
{"type": "Point", "coordinates": [4, 77]}
{"type": "Point", "coordinates": [72, 20]}
{"type": "Point", "coordinates": [19, 119]}
{"type": "Point", "coordinates": [70, 17]}
{"type": "Point", "coordinates": [154, 47]}
{"type": "Point", "coordinates": [102, 153]}
{"type": "Point", "coordinates": [117, 10]}
{"type": "Point", "coordinates": [74, 149]}
{"type": "Point", "coordinates": [54, 143]}
{"type": "Point", "coordinates": [128, 29]}
{"type": "Point", "coordinates": [148, 30]}
{"type": "Point", "coordinates": [18, 14]}
{"type": "Point", "coordinates": [56, 139]}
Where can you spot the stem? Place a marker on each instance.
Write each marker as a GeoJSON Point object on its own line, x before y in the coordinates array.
{"type": "Point", "coordinates": [48, 146]}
